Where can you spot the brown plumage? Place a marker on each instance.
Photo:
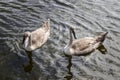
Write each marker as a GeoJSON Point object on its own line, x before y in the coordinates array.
{"type": "Point", "coordinates": [35, 39]}
{"type": "Point", "coordinates": [83, 46]}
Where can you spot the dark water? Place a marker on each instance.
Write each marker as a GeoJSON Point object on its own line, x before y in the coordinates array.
{"type": "Point", "coordinates": [89, 17]}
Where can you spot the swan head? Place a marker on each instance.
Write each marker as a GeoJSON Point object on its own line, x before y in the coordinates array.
{"type": "Point", "coordinates": [26, 38]}
{"type": "Point", "coordinates": [101, 37]}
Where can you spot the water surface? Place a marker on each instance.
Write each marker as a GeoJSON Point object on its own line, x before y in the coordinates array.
{"type": "Point", "coordinates": [89, 17]}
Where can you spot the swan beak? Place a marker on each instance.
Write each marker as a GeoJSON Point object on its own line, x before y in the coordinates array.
{"type": "Point", "coordinates": [73, 32]}
{"type": "Point", "coordinates": [25, 41]}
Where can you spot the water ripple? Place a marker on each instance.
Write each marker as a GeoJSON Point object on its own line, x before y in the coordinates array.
{"type": "Point", "coordinates": [88, 17]}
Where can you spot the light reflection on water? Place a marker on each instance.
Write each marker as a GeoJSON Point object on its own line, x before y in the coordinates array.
{"type": "Point", "coordinates": [89, 17]}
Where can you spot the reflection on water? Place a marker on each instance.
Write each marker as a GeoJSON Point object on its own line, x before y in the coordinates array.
{"type": "Point", "coordinates": [102, 49]}
{"type": "Point", "coordinates": [89, 17]}
{"type": "Point", "coordinates": [29, 66]}
{"type": "Point", "coordinates": [69, 74]}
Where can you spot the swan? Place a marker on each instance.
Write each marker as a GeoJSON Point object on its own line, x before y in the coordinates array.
{"type": "Point", "coordinates": [83, 46]}
{"type": "Point", "coordinates": [35, 39]}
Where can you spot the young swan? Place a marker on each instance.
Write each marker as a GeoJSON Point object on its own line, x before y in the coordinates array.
{"type": "Point", "coordinates": [35, 39]}
{"type": "Point", "coordinates": [83, 46]}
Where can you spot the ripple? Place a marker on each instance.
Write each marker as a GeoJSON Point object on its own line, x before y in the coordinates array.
{"type": "Point", "coordinates": [65, 3]}
{"type": "Point", "coordinates": [88, 17]}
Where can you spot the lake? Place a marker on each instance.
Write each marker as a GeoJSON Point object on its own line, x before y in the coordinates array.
{"type": "Point", "coordinates": [88, 17]}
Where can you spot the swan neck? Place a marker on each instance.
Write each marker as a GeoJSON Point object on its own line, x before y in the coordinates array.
{"type": "Point", "coordinates": [67, 47]}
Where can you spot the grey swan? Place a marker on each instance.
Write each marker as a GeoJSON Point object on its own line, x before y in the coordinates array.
{"type": "Point", "coordinates": [83, 46]}
{"type": "Point", "coordinates": [35, 39]}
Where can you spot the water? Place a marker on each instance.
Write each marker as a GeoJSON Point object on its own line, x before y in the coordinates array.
{"type": "Point", "coordinates": [89, 17]}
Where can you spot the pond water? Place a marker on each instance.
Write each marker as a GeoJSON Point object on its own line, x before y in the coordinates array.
{"type": "Point", "coordinates": [88, 17]}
